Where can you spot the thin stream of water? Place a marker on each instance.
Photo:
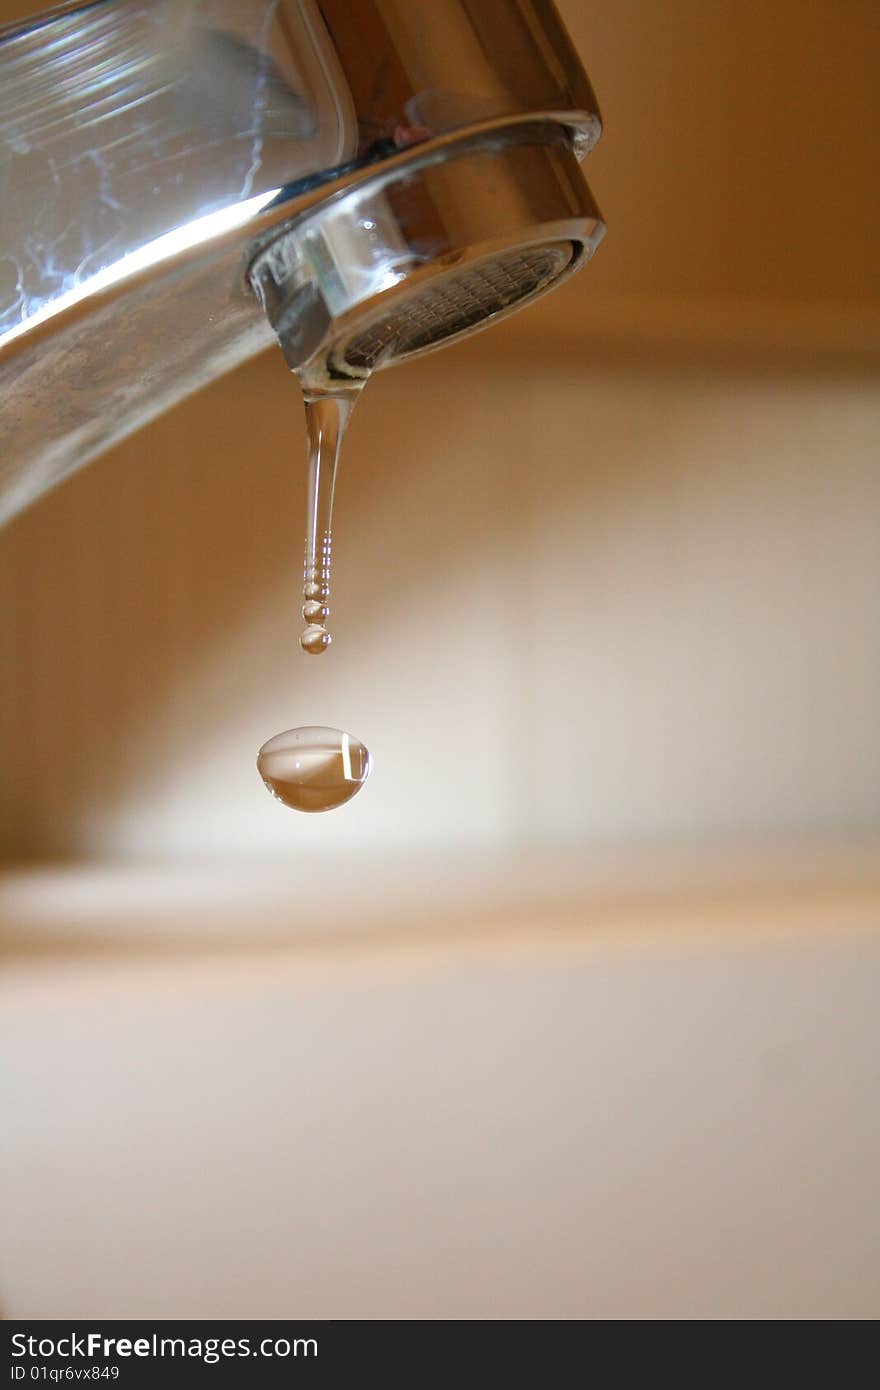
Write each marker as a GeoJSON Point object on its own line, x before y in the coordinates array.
{"type": "Point", "coordinates": [327, 415]}
{"type": "Point", "coordinates": [315, 768]}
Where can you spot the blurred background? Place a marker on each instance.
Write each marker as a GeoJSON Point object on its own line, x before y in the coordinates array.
{"type": "Point", "coordinates": [572, 1012]}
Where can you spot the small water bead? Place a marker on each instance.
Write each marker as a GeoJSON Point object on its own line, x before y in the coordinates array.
{"type": "Point", "coordinates": [315, 612]}
{"type": "Point", "coordinates": [314, 591]}
{"type": "Point", "coordinates": [314, 768]}
{"type": "Point", "coordinates": [315, 639]}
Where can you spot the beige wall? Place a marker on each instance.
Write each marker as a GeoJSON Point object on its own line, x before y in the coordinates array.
{"type": "Point", "coordinates": [739, 154]}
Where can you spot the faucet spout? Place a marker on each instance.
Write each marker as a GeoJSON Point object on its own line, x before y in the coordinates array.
{"type": "Point", "coordinates": [186, 182]}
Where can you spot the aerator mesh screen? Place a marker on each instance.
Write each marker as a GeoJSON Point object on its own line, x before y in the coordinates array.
{"type": "Point", "coordinates": [455, 302]}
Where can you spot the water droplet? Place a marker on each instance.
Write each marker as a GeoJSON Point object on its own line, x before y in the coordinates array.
{"type": "Point", "coordinates": [315, 639]}
{"type": "Point", "coordinates": [314, 611]}
{"type": "Point", "coordinates": [314, 769]}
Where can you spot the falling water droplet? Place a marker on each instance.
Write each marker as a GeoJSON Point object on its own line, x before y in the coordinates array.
{"type": "Point", "coordinates": [314, 769]}
{"type": "Point", "coordinates": [327, 414]}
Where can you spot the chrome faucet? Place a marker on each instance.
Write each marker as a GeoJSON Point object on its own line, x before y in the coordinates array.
{"type": "Point", "coordinates": [183, 179]}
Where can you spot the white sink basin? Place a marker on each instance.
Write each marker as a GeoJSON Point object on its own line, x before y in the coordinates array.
{"type": "Point", "coordinates": [616, 1094]}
